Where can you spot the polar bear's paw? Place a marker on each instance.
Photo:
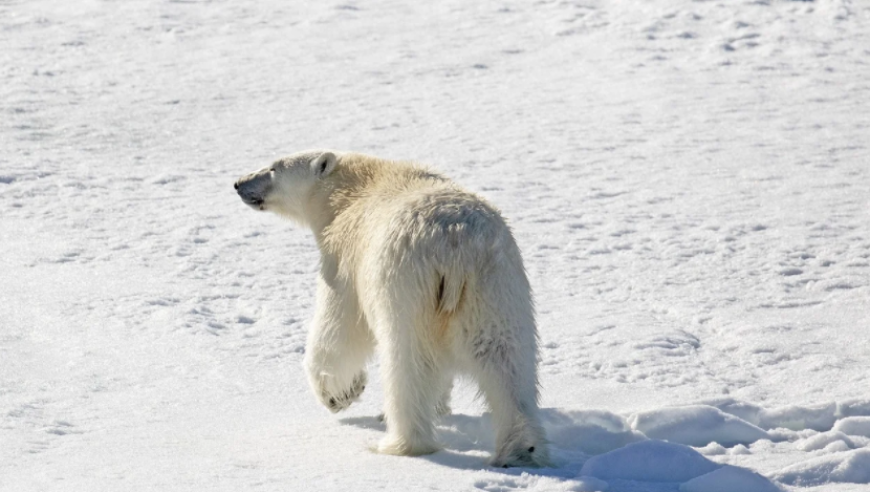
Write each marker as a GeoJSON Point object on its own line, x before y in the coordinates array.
{"type": "Point", "coordinates": [442, 408]}
{"type": "Point", "coordinates": [400, 446]}
{"type": "Point", "coordinates": [338, 401]}
{"type": "Point", "coordinates": [524, 457]}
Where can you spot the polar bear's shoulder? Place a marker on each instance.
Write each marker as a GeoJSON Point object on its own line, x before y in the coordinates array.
{"type": "Point", "coordinates": [361, 177]}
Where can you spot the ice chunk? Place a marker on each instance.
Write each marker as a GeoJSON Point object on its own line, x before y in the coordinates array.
{"type": "Point", "coordinates": [851, 467]}
{"type": "Point", "coordinates": [649, 461]}
{"type": "Point", "coordinates": [730, 479]}
{"type": "Point", "coordinates": [696, 425]}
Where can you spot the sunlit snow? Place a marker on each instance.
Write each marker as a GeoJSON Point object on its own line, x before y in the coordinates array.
{"type": "Point", "coordinates": [689, 182]}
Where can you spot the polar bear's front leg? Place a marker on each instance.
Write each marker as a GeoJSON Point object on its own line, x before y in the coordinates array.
{"type": "Point", "coordinates": [339, 344]}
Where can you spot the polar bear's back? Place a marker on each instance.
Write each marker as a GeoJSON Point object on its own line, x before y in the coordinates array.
{"type": "Point", "coordinates": [396, 213]}
{"type": "Point", "coordinates": [408, 207]}
{"type": "Point", "coordinates": [422, 216]}
{"type": "Point", "coordinates": [423, 230]}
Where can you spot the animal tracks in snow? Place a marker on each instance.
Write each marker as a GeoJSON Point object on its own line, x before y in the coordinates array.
{"type": "Point", "coordinates": [676, 344]}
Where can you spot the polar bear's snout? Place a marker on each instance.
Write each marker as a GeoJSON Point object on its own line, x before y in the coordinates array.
{"type": "Point", "coordinates": [253, 188]}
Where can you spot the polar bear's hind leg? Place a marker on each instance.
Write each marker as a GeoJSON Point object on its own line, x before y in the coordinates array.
{"type": "Point", "coordinates": [412, 370]}
{"type": "Point", "coordinates": [503, 352]}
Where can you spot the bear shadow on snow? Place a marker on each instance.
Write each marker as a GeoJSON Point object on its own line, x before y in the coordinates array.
{"type": "Point", "coordinates": [467, 439]}
{"type": "Point", "coordinates": [575, 436]}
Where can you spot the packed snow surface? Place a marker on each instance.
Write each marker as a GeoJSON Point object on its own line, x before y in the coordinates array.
{"type": "Point", "coordinates": [689, 183]}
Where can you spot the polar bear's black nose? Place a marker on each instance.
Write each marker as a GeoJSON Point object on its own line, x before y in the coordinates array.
{"type": "Point", "coordinates": [236, 185]}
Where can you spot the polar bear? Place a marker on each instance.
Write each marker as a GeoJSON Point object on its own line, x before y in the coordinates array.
{"type": "Point", "coordinates": [427, 274]}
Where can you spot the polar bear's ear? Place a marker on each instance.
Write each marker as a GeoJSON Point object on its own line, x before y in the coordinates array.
{"type": "Point", "coordinates": [324, 164]}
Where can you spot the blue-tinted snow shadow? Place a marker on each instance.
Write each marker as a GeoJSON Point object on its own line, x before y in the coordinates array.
{"type": "Point", "coordinates": [574, 436]}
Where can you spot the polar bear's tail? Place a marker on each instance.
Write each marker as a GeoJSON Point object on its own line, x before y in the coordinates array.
{"type": "Point", "coordinates": [449, 299]}
{"type": "Point", "coordinates": [450, 293]}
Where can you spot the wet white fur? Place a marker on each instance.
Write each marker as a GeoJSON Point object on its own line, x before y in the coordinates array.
{"type": "Point", "coordinates": [389, 233]}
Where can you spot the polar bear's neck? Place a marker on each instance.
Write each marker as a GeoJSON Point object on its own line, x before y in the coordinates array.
{"type": "Point", "coordinates": [353, 175]}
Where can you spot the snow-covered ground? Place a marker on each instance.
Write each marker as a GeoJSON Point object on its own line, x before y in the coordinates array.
{"type": "Point", "coordinates": [689, 183]}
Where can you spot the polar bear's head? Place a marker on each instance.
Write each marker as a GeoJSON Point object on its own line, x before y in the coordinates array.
{"type": "Point", "coordinates": [286, 185]}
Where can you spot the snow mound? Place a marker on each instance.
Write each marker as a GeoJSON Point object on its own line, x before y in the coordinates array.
{"type": "Point", "coordinates": [649, 461]}
{"type": "Point", "coordinates": [730, 479]}
{"type": "Point", "coordinates": [825, 439]}
{"type": "Point", "coordinates": [819, 418]}
{"type": "Point", "coordinates": [590, 431]}
{"type": "Point", "coordinates": [850, 467]}
{"type": "Point", "coordinates": [854, 426]}
{"type": "Point", "coordinates": [713, 449]}
{"type": "Point", "coordinates": [696, 425]}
